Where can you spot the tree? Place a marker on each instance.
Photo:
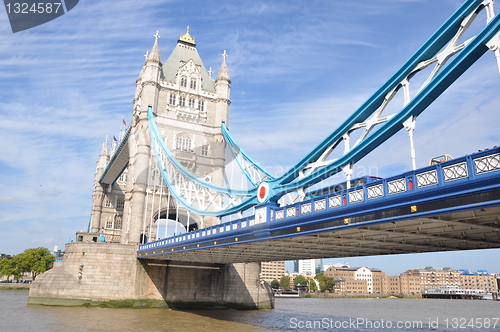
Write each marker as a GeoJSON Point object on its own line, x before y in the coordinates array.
{"type": "Point", "coordinates": [285, 282]}
{"type": "Point", "coordinates": [312, 285]}
{"type": "Point", "coordinates": [275, 284]}
{"type": "Point", "coordinates": [326, 283]}
{"type": "Point", "coordinates": [35, 261]}
{"type": "Point", "coordinates": [318, 275]}
{"type": "Point", "coordinates": [7, 268]}
{"type": "Point", "coordinates": [300, 280]}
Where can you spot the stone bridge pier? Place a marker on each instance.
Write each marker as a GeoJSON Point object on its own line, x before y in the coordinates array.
{"type": "Point", "coordinates": [110, 275]}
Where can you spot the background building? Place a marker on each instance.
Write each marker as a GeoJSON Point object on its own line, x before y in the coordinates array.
{"type": "Point", "coordinates": [363, 280]}
{"type": "Point", "coordinates": [357, 280]}
{"type": "Point", "coordinates": [478, 280]}
{"type": "Point", "coordinates": [307, 267]}
{"type": "Point", "coordinates": [272, 270]}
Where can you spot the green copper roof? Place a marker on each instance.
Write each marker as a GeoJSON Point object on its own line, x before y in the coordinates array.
{"type": "Point", "coordinates": [184, 52]}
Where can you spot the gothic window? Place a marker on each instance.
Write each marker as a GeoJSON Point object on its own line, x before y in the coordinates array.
{"type": "Point", "coordinates": [191, 103]}
{"type": "Point", "coordinates": [122, 178]}
{"type": "Point", "coordinates": [184, 81]}
{"type": "Point", "coordinates": [109, 223]}
{"type": "Point", "coordinates": [204, 150]}
{"type": "Point", "coordinates": [201, 106]}
{"type": "Point", "coordinates": [118, 222]}
{"type": "Point", "coordinates": [182, 101]}
{"type": "Point", "coordinates": [193, 83]}
{"type": "Point", "coordinates": [183, 143]}
{"type": "Point", "coordinates": [120, 203]}
{"type": "Point", "coordinates": [107, 203]}
{"type": "Point", "coordinates": [172, 99]}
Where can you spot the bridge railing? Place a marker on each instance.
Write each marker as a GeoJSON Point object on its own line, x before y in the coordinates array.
{"type": "Point", "coordinates": [446, 174]}
{"type": "Point", "coordinates": [450, 175]}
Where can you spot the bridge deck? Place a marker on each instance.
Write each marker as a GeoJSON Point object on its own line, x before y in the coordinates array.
{"type": "Point", "coordinates": [118, 162]}
{"type": "Point", "coordinates": [454, 205]}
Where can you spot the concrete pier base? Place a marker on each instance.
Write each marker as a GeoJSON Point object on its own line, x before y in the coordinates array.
{"type": "Point", "coordinates": [110, 275]}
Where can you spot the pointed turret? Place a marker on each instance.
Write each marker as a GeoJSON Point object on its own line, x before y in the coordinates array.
{"type": "Point", "coordinates": [147, 84]}
{"type": "Point", "coordinates": [222, 90]}
{"type": "Point", "coordinates": [223, 72]}
{"type": "Point", "coordinates": [104, 150]}
{"type": "Point", "coordinates": [103, 158]}
{"type": "Point", "coordinates": [98, 194]}
{"type": "Point", "coordinates": [154, 55]}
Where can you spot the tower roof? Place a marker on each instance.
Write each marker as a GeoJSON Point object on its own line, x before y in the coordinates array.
{"type": "Point", "coordinates": [223, 72]}
{"type": "Point", "coordinates": [154, 55]}
{"type": "Point", "coordinates": [184, 51]}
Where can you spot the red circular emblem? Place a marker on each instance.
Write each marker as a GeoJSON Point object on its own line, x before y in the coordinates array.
{"type": "Point", "coordinates": [262, 192]}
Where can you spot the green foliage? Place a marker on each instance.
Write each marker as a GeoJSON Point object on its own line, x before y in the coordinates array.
{"type": "Point", "coordinates": [326, 283]}
{"type": "Point", "coordinates": [35, 260]}
{"type": "Point", "coordinates": [275, 284]}
{"type": "Point", "coordinates": [312, 285]}
{"type": "Point", "coordinates": [300, 280]}
{"type": "Point", "coordinates": [318, 275]}
{"type": "Point", "coordinates": [285, 282]}
{"type": "Point", "coordinates": [7, 268]}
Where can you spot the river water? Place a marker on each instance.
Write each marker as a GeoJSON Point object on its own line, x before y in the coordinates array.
{"type": "Point", "coordinates": [348, 315]}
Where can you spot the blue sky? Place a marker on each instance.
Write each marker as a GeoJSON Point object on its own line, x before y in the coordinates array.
{"type": "Point", "coordinates": [298, 70]}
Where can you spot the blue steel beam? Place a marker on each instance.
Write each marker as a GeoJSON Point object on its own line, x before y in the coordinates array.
{"type": "Point", "coordinates": [236, 150]}
{"type": "Point", "coordinates": [462, 184]}
{"type": "Point", "coordinates": [430, 48]}
{"type": "Point", "coordinates": [454, 69]}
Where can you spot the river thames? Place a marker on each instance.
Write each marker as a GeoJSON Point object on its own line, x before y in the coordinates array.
{"type": "Point", "coordinates": [315, 314]}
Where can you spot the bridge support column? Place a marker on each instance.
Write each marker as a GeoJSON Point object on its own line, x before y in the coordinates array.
{"type": "Point", "coordinates": [110, 275]}
{"type": "Point", "coordinates": [196, 285]}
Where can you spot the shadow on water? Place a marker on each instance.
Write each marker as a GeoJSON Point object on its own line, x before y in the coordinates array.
{"type": "Point", "coordinates": [288, 315]}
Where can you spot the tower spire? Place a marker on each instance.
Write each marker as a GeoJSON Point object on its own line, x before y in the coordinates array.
{"type": "Point", "coordinates": [154, 55]}
{"type": "Point", "coordinates": [104, 150]}
{"type": "Point", "coordinates": [223, 72]}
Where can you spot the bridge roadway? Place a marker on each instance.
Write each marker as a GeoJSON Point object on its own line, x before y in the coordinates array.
{"type": "Point", "coordinates": [454, 205]}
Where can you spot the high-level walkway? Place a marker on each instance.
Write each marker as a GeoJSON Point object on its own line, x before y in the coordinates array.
{"type": "Point", "coordinates": [454, 205]}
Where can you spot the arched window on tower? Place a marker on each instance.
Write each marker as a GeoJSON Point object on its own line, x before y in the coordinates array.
{"type": "Point", "coordinates": [118, 222]}
{"type": "Point", "coordinates": [120, 203]}
{"type": "Point", "coordinates": [183, 143]}
{"type": "Point", "coordinates": [184, 81]}
{"type": "Point", "coordinates": [182, 101]}
{"type": "Point", "coordinates": [193, 83]}
{"type": "Point", "coordinates": [204, 150]}
{"type": "Point", "coordinates": [172, 99]}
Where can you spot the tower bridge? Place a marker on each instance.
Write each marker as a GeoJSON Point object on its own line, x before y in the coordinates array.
{"type": "Point", "coordinates": [175, 162]}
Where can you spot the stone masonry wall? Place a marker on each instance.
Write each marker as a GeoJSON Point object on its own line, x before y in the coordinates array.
{"type": "Point", "coordinates": [191, 285]}
{"type": "Point", "coordinates": [110, 272]}
{"type": "Point", "coordinates": [243, 286]}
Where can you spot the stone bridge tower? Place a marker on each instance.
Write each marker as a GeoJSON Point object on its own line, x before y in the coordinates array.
{"type": "Point", "coordinates": [101, 267]}
{"type": "Point", "coordinates": [189, 106]}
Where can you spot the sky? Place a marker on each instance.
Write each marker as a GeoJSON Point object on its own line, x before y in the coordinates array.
{"type": "Point", "coordinates": [298, 69]}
